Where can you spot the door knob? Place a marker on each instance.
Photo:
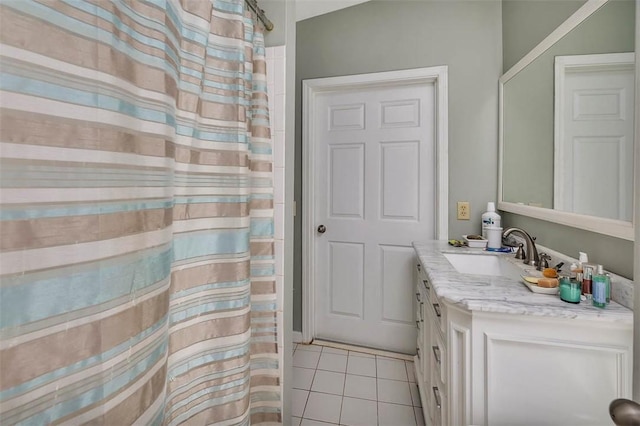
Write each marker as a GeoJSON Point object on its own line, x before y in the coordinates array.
{"type": "Point", "coordinates": [322, 229]}
{"type": "Point", "coordinates": [625, 412]}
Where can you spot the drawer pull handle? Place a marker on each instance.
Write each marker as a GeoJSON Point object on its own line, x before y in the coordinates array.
{"type": "Point", "coordinates": [436, 394]}
{"type": "Point", "coordinates": [417, 296]}
{"type": "Point", "coordinates": [418, 324]}
{"type": "Point", "coordinates": [418, 352]}
{"type": "Point", "coordinates": [426, 284]}
{"type": "Point", "coordinates": [436, 307]}
{"type": "Point", "coordinates": [436, 353]}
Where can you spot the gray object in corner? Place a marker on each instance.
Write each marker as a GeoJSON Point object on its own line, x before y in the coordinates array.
{"type": "Point", "coordinates": [625, 412]}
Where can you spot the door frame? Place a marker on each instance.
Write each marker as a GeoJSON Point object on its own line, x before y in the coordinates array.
{"type": "Point", "coordinates": [576, 64]}
{"type": "Point", "coordinates": [310, 90]}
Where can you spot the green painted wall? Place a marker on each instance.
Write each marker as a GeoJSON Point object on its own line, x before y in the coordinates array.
{"type": "Point", "coordinates": [391, 35]}
{"type": "Point", "coordinates": [275, 11]}
{"type": "Point", "coordinates": [527, 23]}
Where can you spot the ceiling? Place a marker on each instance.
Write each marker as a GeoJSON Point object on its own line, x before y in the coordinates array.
{"type": "Point", "coordinates": [309, 8]}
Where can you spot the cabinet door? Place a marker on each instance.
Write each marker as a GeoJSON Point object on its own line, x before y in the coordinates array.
{"type": "Point", "coordinates": [459, 367]}
{"type": "Point", "coordinates": [557, 381]}
{"type": "Point", "coordinates": [543, 372]}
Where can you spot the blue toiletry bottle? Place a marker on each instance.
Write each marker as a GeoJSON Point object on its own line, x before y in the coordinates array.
{"type": "Point", "coordinates": [599, 288]}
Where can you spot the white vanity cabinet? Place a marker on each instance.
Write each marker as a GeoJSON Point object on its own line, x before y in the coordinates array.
{"type": "Point", "coordinates": [431, 352]}
{"type": "Point", "coordinates": [490, 368]}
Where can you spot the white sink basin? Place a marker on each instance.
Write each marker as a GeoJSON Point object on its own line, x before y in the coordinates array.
{"type": "Point", "coordinates": [483, 264]}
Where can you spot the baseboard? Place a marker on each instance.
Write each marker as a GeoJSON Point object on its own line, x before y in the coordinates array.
{"type": "Point", "coordinates": [297, 336]}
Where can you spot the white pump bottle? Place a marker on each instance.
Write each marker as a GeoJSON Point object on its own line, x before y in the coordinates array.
{"type": "Point", "coordinates": [490, 218]}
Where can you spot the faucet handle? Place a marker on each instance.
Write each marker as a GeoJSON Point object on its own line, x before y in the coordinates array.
{"type": "Point", "coordinates": [543, 262]}
{"type": "Point", "coordinates": [520, 252]}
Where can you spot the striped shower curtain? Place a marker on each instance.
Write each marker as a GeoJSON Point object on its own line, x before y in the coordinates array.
{"type": "Point", "coordinates": [136, 223]}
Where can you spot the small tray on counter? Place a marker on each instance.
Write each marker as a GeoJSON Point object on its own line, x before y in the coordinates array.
{"type": "Point", "coordinates": [475, 243]}
{"type": "Point", "coordinates": [531, 283]}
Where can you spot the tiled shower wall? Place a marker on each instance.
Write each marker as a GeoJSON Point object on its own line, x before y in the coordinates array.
{"type": "Point", "coordinates": [275, 91]}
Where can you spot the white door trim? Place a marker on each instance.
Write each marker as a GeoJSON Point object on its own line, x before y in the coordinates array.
{"type": "Point", "coordinates": [310, 89]}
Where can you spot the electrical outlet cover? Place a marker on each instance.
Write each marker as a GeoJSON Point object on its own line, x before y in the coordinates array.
{"type": "Point", "coordinates": [463, 210]}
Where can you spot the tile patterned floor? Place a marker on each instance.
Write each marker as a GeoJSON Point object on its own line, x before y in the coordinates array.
{"type": "Point", "coordinates": [344, 387]}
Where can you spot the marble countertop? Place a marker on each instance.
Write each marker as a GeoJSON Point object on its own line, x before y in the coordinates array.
{"type": "Point", "coordinates": [500, 294]}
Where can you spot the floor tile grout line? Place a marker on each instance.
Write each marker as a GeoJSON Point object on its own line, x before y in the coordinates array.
{"type": "Point", "coordinates": [375, 360]}
{"type": "Point", "coordinates": [351, 354]}
{"type": "Point", "coordinates": [341, 407]}
{"type": "Point", "coordinates": [360, 398]}
{"type": "Point", "coordinates": [305, 406]}
{"type": "Point", "coordinates": [415, 417]}
{"type": "Point", "coordinates": [344, 386]}
{"type": "Point", "coordinates": [377, 397]}
{"type": "Point", "coordinates": [312, 380]}
{"type": "Point", "coordinates": [356, 397]}
{"type": "Point", "coordinates": [376, 378]}
{"type": "Point", "coordinates": [394, 380]}
{"type": "Point", "coordinates": [405, 370]}
{"type": "Point", "coordinates": [364, 350]}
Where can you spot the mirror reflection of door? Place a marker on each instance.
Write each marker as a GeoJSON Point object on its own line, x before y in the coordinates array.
{"type": "Point", "coordinates": [593, 135]}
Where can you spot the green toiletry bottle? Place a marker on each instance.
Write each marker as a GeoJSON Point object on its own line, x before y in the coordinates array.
{"type": "Point", "coordinates": [599, 288]}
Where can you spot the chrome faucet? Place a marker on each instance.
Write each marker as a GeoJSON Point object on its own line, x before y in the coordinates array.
{"type": "Point", "coordinates": [531, 256]}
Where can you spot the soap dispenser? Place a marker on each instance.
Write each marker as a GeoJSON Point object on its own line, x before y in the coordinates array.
{"type": "Point", "coordinates": [583, 259]}
{"type": "Point", "coordinates": [490, 218]}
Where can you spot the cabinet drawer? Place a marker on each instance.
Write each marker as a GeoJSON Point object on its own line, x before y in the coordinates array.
{"type": "Point", "coordinates": [438, 310]}
{"type": "Point", "coordinates": [421, 343]}
{"type": "Point", "coordinates": [437, 404]}
{"type": "Point", "coordinates": [418, 302]}
{"type": "Point", "coordinates": [427, 286]}
{"type": "Point", "coordinates": [423, 278]}
{"type": "Point", "coordinates": [438, 356]}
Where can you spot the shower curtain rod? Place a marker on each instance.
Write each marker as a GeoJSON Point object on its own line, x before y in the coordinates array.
{"type": "Point", "coordinates": [253, 4]}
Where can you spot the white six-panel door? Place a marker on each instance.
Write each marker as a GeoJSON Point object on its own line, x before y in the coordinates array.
{"type": "Point", "coordinates": [375, 189]}
{"type": "Point", "coordinates": [594, 135]}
